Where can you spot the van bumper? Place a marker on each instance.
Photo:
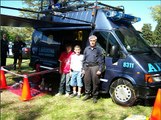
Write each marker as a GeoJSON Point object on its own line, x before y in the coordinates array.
{"type": "Point", "coordinates": [148, 92]}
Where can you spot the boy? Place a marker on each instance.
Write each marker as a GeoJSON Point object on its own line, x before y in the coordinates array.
{"type": "Point", "coordinates": [65, 60]}
{"type": "Point", "coordinates": [76, 69]}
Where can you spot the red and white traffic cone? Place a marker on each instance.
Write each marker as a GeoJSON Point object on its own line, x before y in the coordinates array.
{"type": "Point", "coordinates": [3, 84]}
{"type": "Point", "coordinates": [26, 94]}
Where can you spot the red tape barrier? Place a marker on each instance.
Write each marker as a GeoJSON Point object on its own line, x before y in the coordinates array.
{"type": "Point", "coordinates": [26, 93]}
{"type": "Point", "coordinates": [32, 74]}
{"type": "Point", "coordinates": [43, 72]}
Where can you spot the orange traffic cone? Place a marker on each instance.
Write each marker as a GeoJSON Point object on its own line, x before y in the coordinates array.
{"type": "Point", "coordinates": [3, 84]}
{"type": "Point", "coordinates": [156, 113]}
{"type": "Point", "coordinates": [26, 94]}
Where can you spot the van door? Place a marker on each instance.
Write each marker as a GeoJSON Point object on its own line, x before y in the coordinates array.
{"type": "Point", "coordinates": [108, 43]}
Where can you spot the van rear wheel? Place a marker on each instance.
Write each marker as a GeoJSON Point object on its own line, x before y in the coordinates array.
{"type": "Point", "coordinates": [122, 92]}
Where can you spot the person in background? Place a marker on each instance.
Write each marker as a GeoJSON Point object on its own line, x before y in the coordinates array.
{"type": "Point", "coordinates": [65, 61]}
{"type": "Point", "coordinates": [17, 52]}
{"type": "Point", "coordinates": [76, 71]}
{"type": "Point", "coordinates": [4, 49]}
{"type": "Point", "coordinates": [92, 65]}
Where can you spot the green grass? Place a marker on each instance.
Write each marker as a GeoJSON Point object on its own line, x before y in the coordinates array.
{"type": "Point", "coordinates": [50, 107]}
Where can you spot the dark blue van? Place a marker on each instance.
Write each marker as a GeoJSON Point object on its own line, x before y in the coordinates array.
{"type": "Point", "coordinates": [132, 69]}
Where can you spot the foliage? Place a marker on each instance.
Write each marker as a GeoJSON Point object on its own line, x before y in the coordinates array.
{"type": "Point", "coordinates": [3, 31]}
{"type": "Point", "coordinates": [156, 12]}
{"type": "Point", "coordinates": [23, 32]}
{"type": "Point", "coordinates": [157, 33]}
{"type": "Point", "coordinates": [32, 5]}
{"type": "Point", "coordinates": [10, 32]}
{"type": "Point", "coordinates": [147, 33]}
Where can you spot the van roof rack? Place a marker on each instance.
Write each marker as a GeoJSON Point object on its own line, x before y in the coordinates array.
{"type": "Point", "coordinates": [79, 5]}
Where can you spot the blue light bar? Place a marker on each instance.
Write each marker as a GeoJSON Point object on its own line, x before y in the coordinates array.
{"type": "Point", "coordinates": [115, 15]}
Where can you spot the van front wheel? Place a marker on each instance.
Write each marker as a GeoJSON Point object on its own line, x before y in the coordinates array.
{"type": "Point", "coordinates": [122, 92]}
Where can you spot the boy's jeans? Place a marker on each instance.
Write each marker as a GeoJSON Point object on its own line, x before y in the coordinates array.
{"type": "Point", "coordinates": [65, 79]}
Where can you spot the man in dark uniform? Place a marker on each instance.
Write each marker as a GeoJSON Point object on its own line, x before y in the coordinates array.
{"type": "Point", "coordinates": [4, 50]}
{"type": "Point", "coordinates": [92, 65]}
{"type": "Point", "coordinates": [17, 51]}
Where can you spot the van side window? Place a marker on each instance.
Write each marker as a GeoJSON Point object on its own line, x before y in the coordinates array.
{"type": "Point", "coordinates": [44, 38]}
{"type": "Point", "coordinates": [112, 39]}
{"type": "Point", "coordinates": [113, 43]}
{"type": "Point", "coordinates": [37, 36]}
{"type": "Point", "coordinates": [49, 39]}
{"type": "Point", "coordinates": [101, 42]}
{"type": "Point", "coordinates": [105, 40]}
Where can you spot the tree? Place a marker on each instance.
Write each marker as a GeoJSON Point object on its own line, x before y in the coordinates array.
{"type": "Point", "coordinates": [157, 33]}
{"type": "Point", "coordinates": [2, 31]}
{"type": "Point", "coordinates": [156, 12]}
{"type": "Point", "coordinates": [12, 32]}
{"type": "Point", "coordinates": [147, 33]}
{"type": "Point", "coordinates": [9, 31]}
{"type": "Point", "coordinates": [32, 5]}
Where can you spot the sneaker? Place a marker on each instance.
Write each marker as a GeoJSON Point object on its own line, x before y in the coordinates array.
{"type": "Point", "coordinates": [67, 95]}
{"type": "Point", "coordinates": [78, 96]}
{"type": "Point", "coordinates": [73, 95]}
{"type": "Point", "coordinates": [86, 97]}
{"type": "Point", "coordinates": [58, 94]}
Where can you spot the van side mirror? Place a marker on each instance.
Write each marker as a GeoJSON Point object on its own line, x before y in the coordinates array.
{"type": "Point", "coordinates": [114, 51]}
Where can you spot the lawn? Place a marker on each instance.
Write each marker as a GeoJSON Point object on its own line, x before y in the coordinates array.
{"type": "Point", "coordinates": [50, 107]}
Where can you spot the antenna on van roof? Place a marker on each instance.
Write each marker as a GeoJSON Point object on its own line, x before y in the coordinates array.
{"type": "Point", "coordinates": [74, 5]}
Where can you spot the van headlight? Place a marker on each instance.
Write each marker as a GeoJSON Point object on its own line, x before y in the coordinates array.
{"type": "Point", "coordinates": [152, 78]}
{"type": "Point", "coordinates": [156, 78]}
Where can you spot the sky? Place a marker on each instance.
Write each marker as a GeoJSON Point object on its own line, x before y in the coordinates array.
{"type": "Point", "coordinates": [138, 8]}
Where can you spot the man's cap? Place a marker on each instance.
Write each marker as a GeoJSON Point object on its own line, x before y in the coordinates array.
{"type": "Point", "coordinates": [92, 37]}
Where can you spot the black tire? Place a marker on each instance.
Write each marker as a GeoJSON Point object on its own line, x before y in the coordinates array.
{"type": "Point", "coordinates": [122, 92]}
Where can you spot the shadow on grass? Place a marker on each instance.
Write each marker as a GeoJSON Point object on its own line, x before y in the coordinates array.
{"type": "Point", "coordinates": [141, 102]}
{"type": "Point", "coordinates": [104, 95]}
{"type": "Point", "coordinates": [95, 114]}
{"type": "Point", "coordinates": [29, 114]}
{"type": "Point", "coordinates": [3, 105]}
{"type": "Point", "coordinates": [148, 102]}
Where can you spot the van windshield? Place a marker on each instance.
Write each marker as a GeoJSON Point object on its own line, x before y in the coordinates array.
{"type": "Point", "coordinates": [132, 41]}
